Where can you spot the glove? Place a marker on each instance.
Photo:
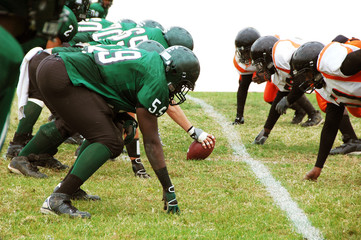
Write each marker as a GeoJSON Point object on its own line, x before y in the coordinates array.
{"type": "Point", "coordinates": [282, 106]}
{"type": "Point", "coordinates": [170, 201]}
{"type": "Point", "coordinates": [259, 78]}
{"type": "Point", "coordinates": [197, 134]}
{"type": "Point", "coordinates": [261, 138]}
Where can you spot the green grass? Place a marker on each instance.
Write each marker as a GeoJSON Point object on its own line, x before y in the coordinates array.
{"type": "Point", "coordinates": [219, 198]}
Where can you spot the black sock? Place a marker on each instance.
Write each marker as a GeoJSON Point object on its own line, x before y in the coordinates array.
{"type": "Point", "coordinates": [70, 185]}
{"type": "Point", "coordinates": [346, 129]}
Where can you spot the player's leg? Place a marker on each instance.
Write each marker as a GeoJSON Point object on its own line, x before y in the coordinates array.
{"type": "Point", "coordinates": [244, 82]}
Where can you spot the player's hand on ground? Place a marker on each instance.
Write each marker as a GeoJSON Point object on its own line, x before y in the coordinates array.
{"type": "Point", "coordinates": [282, 106]}
{"type": "Point", "coordinates": [170, 202]}
{"type": "Point", "coordinates": [313, 174]}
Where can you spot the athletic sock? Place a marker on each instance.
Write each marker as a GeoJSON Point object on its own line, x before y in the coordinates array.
{"type": "Point", "coordinates": [32, 112]}
{"type": "Point", "coordinates": [346, 129]}
{"type": "Point", "coordinates": [46, 140]}
{"type": "Point", "coordinates": [70, 185]}
{"type": "Point", "coordinates": [90, 160]}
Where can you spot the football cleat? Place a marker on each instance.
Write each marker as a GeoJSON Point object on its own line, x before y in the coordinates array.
{"type": "Point", "coordinates": [352, 146]}
{"type": "Point", "coordinates": [18, 143]}
{"type": "Point", "coordinates": [14, 150]}
{"type": "Point", "coordinates": [314, 120]}
{"type": "Point", "coordinates": [298, 117]}
{"type": "Point", "coordinates": [138, 169]}
{"type": "Point", "coordinates": [59, 203]}
{"type": "Point", "coordinates": [238, 121]}
{"type": "Point", "coordinates": [21, 165]}
{"type": "Point", "coordinates": [47, 161]}
{"type": "Point", "coordinates": [80, 194]}
{"type": "Point", "coordinates": [76, 139]}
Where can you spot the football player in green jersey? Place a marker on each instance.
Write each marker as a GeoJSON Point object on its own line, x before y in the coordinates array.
{"type": "Point", "coordinates": [89, 91]}
{"type": "Point", "coordinates": [17, 29]}
{"type": "Point", "coordinates": [87, 27]}
{"type": "Point", "coordinates": [173, 36]}
{"type": "Point", "coordinates": [29, 97]}
{"type": "Point", "coordinates": [100, 9]}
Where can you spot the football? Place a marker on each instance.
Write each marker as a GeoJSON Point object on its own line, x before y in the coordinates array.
{"type": "Point", "coordinates": [197, 152]}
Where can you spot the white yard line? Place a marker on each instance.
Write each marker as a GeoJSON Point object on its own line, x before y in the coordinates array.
{"type": "Point", "coordinates": [279, 194]}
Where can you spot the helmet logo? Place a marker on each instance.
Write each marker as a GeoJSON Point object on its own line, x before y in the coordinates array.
{"type": "Point", "coordinates": [166, 56]}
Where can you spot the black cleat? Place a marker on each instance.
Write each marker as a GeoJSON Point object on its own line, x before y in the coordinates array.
{"type": "Point", "coordinates": [238, 121]}
{"type": "Point", "coordinates": [47, 161]}
{"type": "Point", "coordinates": [21, 165]}
{"type": "Point", "coordinates": [18, 143]}
{"type": "Point", "coordinates": [59, 203]}
{"type": "Point", "coordinates": [76, 139]}
{"type": "Point", "coordinates": [314, 120]}
{"type": "Point", "coordinates": [352, 146]}
{"type": "Point", "coordinates": [298, 117]}
{"type": "Point", "coordinates": [138, 169]}
{"type": "Point", "coordinates": [80, 194]}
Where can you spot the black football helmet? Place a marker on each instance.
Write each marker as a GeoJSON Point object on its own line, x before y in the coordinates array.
{"type": "Point", "coordinates": [151, 24]}
{"type": "Point", "coordinates": [79, 7]}
{"type": "Point", "coordinates": [179, 36]}
{"type": "Point", "coordinates": [150, 46]}
{"type": "Point", "coordinates": [304, 66]}
{"type": "Point", "coordinates": [182, 70]}
{"type": "Point", "coordinates": [261, 54]}
{"type": "Point", "coordinates": [244, 40]}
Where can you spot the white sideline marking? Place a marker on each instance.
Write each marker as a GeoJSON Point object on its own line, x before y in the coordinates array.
{"type": "Point", "coordinates": [279, 194]}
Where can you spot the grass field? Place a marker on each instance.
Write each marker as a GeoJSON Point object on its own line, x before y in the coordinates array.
{"type": "Point", "coordinates": [222, 197]}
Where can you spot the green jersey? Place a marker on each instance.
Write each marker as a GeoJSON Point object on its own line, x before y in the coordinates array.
{"type": "Point", "coordinates": [87, 28]}
{"type": "Point", "coordinates": [93, 24]}
{"type": "Point", "coordinates": [11, 56]}
{"type": "Point", "coordinates": [86, 49]}
{"type": "Point", "coordinates": [132, 37]}
{"type": "Point", "coordinates": [125, 78]}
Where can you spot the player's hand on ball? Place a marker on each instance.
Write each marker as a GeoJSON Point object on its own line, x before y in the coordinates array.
{"type": "Point", "coordinates": [209, 142]}
{"type": "Point", "coordinates": [170, 202]}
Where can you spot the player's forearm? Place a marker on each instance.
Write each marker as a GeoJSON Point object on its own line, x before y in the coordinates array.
{"type": "Point", "coordinates": [177, 114]}
{"type": "Point", "coordinates": [334, 115]}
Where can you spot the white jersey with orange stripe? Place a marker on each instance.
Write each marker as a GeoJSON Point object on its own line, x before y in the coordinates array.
{"type": "Point", "coordinates": [339, 87]}
{"type": "Point", "coordinates": [281, 55]}
{"type": "Point", "coordinates": [242, 68]}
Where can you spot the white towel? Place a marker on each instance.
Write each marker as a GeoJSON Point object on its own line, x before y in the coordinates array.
{"type": "Point", "coordinates": [23, 84]}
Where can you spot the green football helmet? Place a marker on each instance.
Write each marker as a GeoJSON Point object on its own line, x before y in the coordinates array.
{"type": "Point", "coordinates": [69, 27]}
{"type": "Point", "coordinates": [151, 24]}
{"type": "Point", "coordinates": [127, 24]}
{"type": "Point", "coordinates": [79, 8]}
{"type": "Point", "coordinates": [182, 70]}
{"type": "Point", "coordinates": [179, 36]}
{"type": "Point", "coordinates": [150, 46]}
